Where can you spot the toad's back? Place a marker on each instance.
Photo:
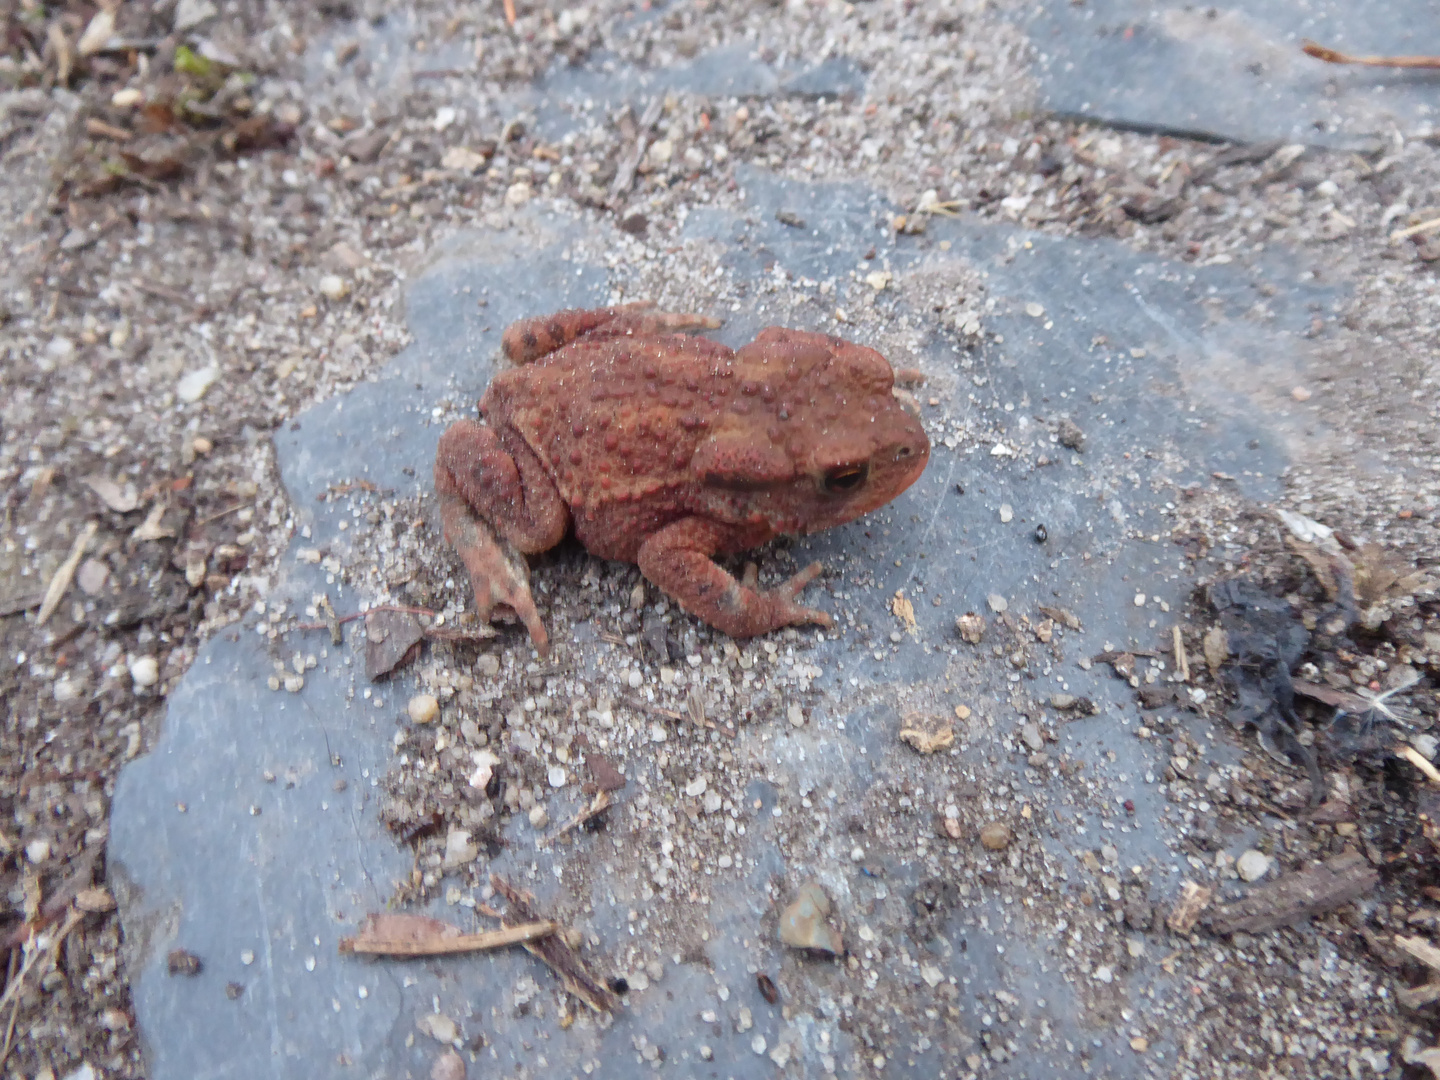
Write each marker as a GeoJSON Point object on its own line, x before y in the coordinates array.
{"type": "Point", "coordinates": [616, 420]}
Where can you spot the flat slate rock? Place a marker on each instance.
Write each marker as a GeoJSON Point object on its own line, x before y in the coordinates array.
{"type": "Point", "coordinates": [249, 835]}
{"type": "Point", "coordinates": [1235, 71]}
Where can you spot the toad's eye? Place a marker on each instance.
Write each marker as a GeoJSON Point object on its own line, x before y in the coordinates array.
{"type": "Point", "coordinates": [843, 478]}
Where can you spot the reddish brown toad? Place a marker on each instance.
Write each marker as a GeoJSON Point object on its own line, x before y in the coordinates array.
{"type": "Point", "coordinates": [665, 450]}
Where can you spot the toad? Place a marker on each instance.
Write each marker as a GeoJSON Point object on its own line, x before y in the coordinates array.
{"type": "Point", "coordinates": [665, 449]}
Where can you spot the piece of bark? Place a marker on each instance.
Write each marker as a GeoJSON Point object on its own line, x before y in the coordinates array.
{"type": "Point", "coordinates": [1298, 895]}
{"type": "Point", "coordinates": [1193, 900]}
{"type": "Point", "coordinates": [1417, 997]}
{"type": "Point", "coordinates": [1421, 950]}
{"type": "Point", "coordinates": [419, 935]}
{"type": "Point", "coordinates": [559, 956]}
{"type": "Point", "coordinates": [389, 638]}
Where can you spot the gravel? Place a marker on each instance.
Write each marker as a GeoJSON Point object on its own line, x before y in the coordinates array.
{"type": "Point", "coordinates": [157, 333]}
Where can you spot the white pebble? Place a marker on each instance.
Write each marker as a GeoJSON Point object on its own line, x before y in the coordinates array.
{"type": "Point", "coordinates": [696, 787]}
{"type": "Point", "coordinates": [557, 776]}
{"type": "Point", "coordinates": [37, 851]}
{"type": "Point", "coordinates": [658, 733]}
{"type": "Point", "coordinates": [795, 715]}
{"type": "Point", "coordinates": [538, 817]}
{"type": "Point", "coordinates": [191, 388]}
{"type": "Point", "coordinates": [145, 670]}
{"type": "Point", "coordinates": [635, 678]}
{"type": "Point", "coordinates": [1252, 865]}
{"type": "Point", "coordinates": [247, 957]}
{"type": "Point", "coordinates": [1007, 513]}
{"type": "Point", "coordinates": [423, 708]}
{"type": "Point", "coordinates": [334, 287]}
{"type": "Point", "coordinates": [1139, 599]}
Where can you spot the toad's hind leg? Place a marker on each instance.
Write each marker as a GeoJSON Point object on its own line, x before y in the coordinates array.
{"type": "Point", "coordinates": [529, 340]}
{"type": "Point", "coordinates": [497, 503]}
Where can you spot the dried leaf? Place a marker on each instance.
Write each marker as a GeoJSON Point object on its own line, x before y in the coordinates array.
{"type": "Point", "coordinates": [607, 776]}
{"type": "Point", "coordinates": [391, 640]}
{"type": "Point", "coordinates": [150, 528]}
{"type": "Point", "coordinates": [98, 34]}
{"type": "Point", "coordinates": [120, 499]}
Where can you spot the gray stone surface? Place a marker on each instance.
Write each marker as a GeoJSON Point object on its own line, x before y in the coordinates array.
{"type": "Point", "coordinates": [1235, 70]}
{"type": "Point", "coordinates": [211, 856]}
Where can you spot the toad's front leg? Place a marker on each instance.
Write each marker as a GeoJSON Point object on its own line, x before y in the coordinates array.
{"type": "Point", "coordinates": [497, 503]}
{"type": "Point", "coordinates": [678, 560]}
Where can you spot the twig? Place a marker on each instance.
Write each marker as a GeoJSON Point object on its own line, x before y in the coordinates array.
{"type": "Point", "coordinates": [509, 12]}
{"type": "Point", "coordinates": [55, 592]}
{"type": "Point", "coordinates": [33, 952]}
{"type": "Point", "coordinates": [1182, 662]}
{"type": "Point", "coordinates": [1420, 761]}
{"type": "Point", "coordinates": [221, 513]}
{"type": "Point", "coordinates": [559, 956]}
{"type": "Point", "coordinates": [440, 945]}
{"type": "Point", "coordinates": [1334, 56]}
{"type": "Point", "coordinates": [1412, 230]}
{"type": "Point", "coordinates": [598, 805]}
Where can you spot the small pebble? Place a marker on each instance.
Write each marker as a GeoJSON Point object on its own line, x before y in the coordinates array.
{"type": "Point", "coordinates": [557, 777]}
{"type": "Point", "coordinates": [334, 287]}
{"type": "Point", "coordinates": [635, 679]}
{"type": "Point", "coordinates": [1007, 513]}
{"type": "Point", "coordinates": [997, 603]}
{"type": "Point", "coordinates": [126, 98]}
{"type": "Point", "coordinates": [37, 851]}
{"type": "Point", "coordinates": [145, 670]}
{"type": "Point", "coordinates": [488, 664]}
{"type": "Point", "coordinates": [1034, 310]}
{"type": "Point", "coordinates": [803, 924]}
{"type": "Point", "coordinates": [247, 957]}
{"type": "Point", "coordinates": [538, 817]}
{"type": "Point", "coordinates": [294, 683]}
{"type": "Point", "coordinates": [448, 1066]}
{"type": "Point", "coordinates": [1140, 599]}
{"type": "Point", "coordinates": [423, 708]}
{"type": "Point", "coordinates": [439, 1027]}
{"type": "Point", "coordinates": [795, 715]}
{"type": "Point", "coordinates": [1252, 865]}
{"type": "Point", "coordinates": [201, 445]}
{"type": "Point", "coordinates": [1300, 393]}
{"type": "Point", "coordinates": [192, 386]}
{"type": "Point", "coordinates": [519, 194]}
{"type": "Point", "coordinates": [996, 836]}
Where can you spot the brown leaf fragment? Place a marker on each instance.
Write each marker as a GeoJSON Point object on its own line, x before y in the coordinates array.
{"type": "Point", "coordinates": [157, 168]}
{"type": "Point", "coordinates": [391, 934]}
{"type": "Point", "coordinates": [561, 959]}
{"type": "Point", "coordinates": [390, 637]}
{"type": "Point", "coordinates": [1193, 900]}
{"type": "Point", "coordinates": [1298, 895]}
{"type": "Point", "coordinates": [607, 776]}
